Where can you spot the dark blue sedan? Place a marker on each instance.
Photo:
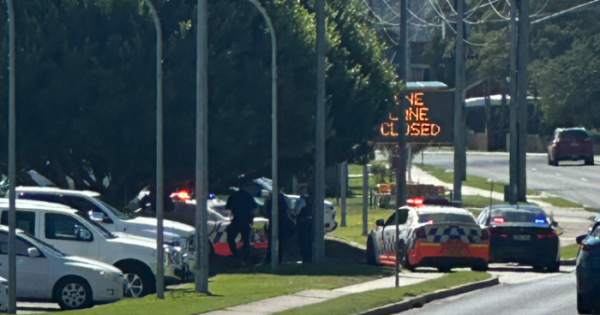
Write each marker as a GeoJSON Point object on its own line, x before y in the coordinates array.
{"type": "Point", "coordinates": [588, 271]}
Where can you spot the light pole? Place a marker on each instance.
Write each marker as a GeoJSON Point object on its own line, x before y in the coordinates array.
{"type": "Point", "coordinates": [275, 185]}
{"type": "Point", "coordinates": [160, 250]}
{"type": "Point", "coordinates": [12, 214]}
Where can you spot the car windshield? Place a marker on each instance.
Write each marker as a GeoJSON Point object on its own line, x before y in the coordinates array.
{"type": "Point", "coordinates": [596, 233]}
{"type": "Point", "coordinates": [446, 218]}
{"type": "Point", "coordinates": [520, 216]}
{"type": "Point", "coordinates": [576, 134]}
{"type": "Point", "coordinates": [117, 213]}
{"type": "Point", "coordinates": [38, 242]}
{"type": "Point", "coordinates": [96, 226]}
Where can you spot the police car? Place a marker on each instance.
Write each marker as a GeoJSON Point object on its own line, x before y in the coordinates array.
{"type": "Point", "coordinates": [433, 233]}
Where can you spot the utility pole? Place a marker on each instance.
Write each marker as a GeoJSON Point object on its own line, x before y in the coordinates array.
{"type": "Point", "coordinates": [514, 140]}
{"type": "Point", "coordinates": [12, 168]}
{"type": "Point", "coordinates": [201, 239]}
{"type": "Point", "coordinates": [365, 193]}
{"type": "Point", "coordinates": [403, 65]}
{"type": "Point", "coordinates": [522, 86]}
{"type": "Point", "coordinates": [343, 189]}
{"type": "Point", "coordinates": [318, 254]}
{"type": "Point", "coordinates": [459, 133]}
{"type": "Point", "coordinates": [160, 249]}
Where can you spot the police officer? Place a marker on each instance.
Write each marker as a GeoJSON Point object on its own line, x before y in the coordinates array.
{"type": "Point", "coordinates": [287, 227]}
{"type": "Point", "coordinates": [303, 209]}
{"type": "Point", "coordinates": [242, 206]}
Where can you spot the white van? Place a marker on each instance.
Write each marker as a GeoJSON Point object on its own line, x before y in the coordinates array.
{"type": "Point", "coordinates": [72, 232]}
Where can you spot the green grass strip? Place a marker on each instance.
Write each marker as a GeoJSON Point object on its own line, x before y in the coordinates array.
{"type": "Point", "coordinates": [569, 251]}
{"type": "Point", "coordinates": [360, 302]}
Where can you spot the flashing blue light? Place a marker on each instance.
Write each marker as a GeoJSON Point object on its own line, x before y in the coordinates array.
{"type": "Point", "coordinates": [211, 196]}
{"type": "Point", "coordinates": [540, 221]}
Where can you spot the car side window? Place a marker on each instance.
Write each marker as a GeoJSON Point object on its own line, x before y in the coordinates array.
{"type": "Point", "coordinates": [63, 227]}
{"type": "Point", "coordinates": [21, 246]}
{"type": "Point", "coordinates": [82, 204]}
{"type": "Point", "coordinates": [25, 221]}
{"type": "Point", "coordinates": [42, 197]}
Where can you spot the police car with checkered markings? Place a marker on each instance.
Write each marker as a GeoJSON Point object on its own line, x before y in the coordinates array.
{"type": "Point", "coordinates": [431, 235]}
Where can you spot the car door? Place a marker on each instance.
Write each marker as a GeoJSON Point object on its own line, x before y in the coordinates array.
{"type": "Point", "coordinates": [69, 235]}
{"type": "Point", "coordinates": [32, 272]}
{"type": "Point", "coordinates": [389, 234]}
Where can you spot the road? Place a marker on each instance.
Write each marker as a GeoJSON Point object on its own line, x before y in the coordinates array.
{"type": "Point", "coordinates": [570, 180]}
{"type": "Point", "coordinates": [549, 295]}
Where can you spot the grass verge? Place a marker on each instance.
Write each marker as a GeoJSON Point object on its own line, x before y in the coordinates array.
{"type": "Point", "coordinates": [561, 202]}
{"type": "Point", "coordinates": [360, 302]}
{"type": "Point", "coordinates": [472, 180]}
{"type": "Point", "coordinates": [569, 251]}
{"type": "Point", "coordinates": [353, 229]}
{"type": "Point", "coordinates": [244, 285]}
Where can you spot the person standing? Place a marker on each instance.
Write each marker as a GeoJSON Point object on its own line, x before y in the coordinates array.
{"type": "Point", "coordinates": [286, 226]}
{"type": "Point", "coordinates": [303, 210]}
{"type": "Point", "coordinates": [242, 206]}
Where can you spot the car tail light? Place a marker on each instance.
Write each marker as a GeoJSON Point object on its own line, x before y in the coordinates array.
{"type": "Point", "coordinates": [485, 235]}
{"type": "Point", "coordinates": [420, 233]}
{"type": "Point", "coordinates": [429, 222]}
{"type": "Point", "coordinates": [588, 139]}
{"type": "Point", "coordinates": [499, 219]}
{"type": "Point", "coordinates": [552, 234]}
{"type": "Point", "coordinates": [415, 202]}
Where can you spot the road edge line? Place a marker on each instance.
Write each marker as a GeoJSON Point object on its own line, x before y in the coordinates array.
{"type": "Point", "coordinates": [430, 297]}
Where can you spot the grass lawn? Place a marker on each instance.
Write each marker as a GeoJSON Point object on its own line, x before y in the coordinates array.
{"type": "Point", "coordinates": [561, 202]}
{"type": "Point", "coordinates": [569, 251]}
{"type": "Point", "coordinates": [360, 302]}
{"type": "Point", "coordinates": [353, 231]}
{"type": "Point", "coordinates": [472, 180]}
{"type": "Point", "coordinates": [244, 285]}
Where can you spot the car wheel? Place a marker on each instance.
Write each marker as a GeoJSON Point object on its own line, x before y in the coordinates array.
{"type": "Point", "coordinates": [584, 303]}
{"type": "Point", "coordinates": [589, 161]}
{"type": "Point", "coordinates": [73, 293]}
{"type": "Point", "coordinates": [480, 265]}
{"type": "Point", "coordinates": [444, 269]}
{"type": "Point", "coordinates": [549, 160]}
{"type": "Point", "coordinates": [554, 267]}
{"type": "Point", "coordinates": [139, 279]}
{"type": "Point", "coordinates": [371, 259]}
{"type": "Point", "coordinates": [404, 262]}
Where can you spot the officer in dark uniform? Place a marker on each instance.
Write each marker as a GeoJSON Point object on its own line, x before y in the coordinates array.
{"type": "Point", "coordinates": [303, 209]}
{"type": "Point", "coordinates": [286, 229]}
{"type": "Point", "coordinates": [242, 206]}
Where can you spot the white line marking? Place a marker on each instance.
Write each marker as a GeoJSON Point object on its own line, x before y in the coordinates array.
{"type": "Point", "coordinates": [534, 169]}
{"type": "Point", "coordinates": [583, 179]}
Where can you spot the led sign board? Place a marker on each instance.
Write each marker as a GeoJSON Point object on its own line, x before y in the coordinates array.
{"type": "Point", "coordinates": [429, 119]}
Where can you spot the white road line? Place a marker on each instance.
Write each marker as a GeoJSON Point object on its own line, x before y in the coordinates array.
{"type": "Point", "coordinates": [557, 174]}
{"type": "Point", "coordinates": [534, 169]}
{"type": "Point", "coordinates": [583, 179]}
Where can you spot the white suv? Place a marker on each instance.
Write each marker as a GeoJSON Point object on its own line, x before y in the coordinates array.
{"type": "Point", "coordinates": [71, 231]}
{"type": "Point", "coordinates": [47, 274]}
{"type": "Point", "coordinates": [175, 233]}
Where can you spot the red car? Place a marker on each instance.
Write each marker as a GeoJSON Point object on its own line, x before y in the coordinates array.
{"type": "Point", "coordinates": [571, 144]}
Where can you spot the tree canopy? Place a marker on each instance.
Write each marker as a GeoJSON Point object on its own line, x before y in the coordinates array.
{"type": "Point", "coordinates": [86, 92]}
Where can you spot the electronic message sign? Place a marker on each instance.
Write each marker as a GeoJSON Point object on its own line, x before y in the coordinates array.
{"type": "Point", "coordinates": [429, 119]}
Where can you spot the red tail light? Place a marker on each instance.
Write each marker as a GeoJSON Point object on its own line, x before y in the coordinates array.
{"type": "Point", "coordinates": [420, 233]}
{"type": "Point", "coordinates": [552, 234]}
{"type": "Point", "coordinates": [485, 235]}
{"type": "Point", "coordinates": [415, 202]}
{"type": "Point", "coordinates": [588, 139]}
{"type": "Point", "coordinates": [430, 222]}
{"type": "Point", "coordinates": [499, 219]}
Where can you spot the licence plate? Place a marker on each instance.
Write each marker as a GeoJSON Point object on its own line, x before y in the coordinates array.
{"type": "Point", "coordinates": [521, 237]}
{"type": "Point", "coordinates": [454, 249]}
{"type": "Point", "coordinates": [573, 144]}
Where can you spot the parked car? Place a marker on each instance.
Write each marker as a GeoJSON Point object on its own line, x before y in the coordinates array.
{"type": "Point", "coordinates": [439, 236]}
{"type": "Point", "coordinates": [72, 231]}
{"type": "Point", "coordinates": [3, 295]}
{"type": "Point", "coordinates": [571, 144]}
{"type": "Point", "coordinates": [587, 271]}
{"type": "Point", "coordinates": [522, 234]}
{"type": "Point", "coordinates": [49, 275]}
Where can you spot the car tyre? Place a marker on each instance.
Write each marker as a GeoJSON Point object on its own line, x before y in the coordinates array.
{"type": "Point", "coordinates": [444, 269]}
{"type": "Point", "coordinates": [371, 259]}
{"type": "Point", "coordinates": [480, 265]}
{"type": "Point", "coordinates": [139, 278]}
{"type": "Point", "coordinates": [584, 303]}
{"type": "Point", "coordinates": [589, 161]}
{"type": "Point", "coordinates": [550, 161]}
{"type": "Point", "coordinates": [404, 262]}
{"type": "Point", "coordinates": [73, 293]}
{"type": "Point", "coordinates": [554, 267]}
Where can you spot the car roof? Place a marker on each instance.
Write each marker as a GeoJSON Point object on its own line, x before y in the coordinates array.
{"type": "Point", "coordinates": [57, 191]}
{"type": "Point", "coordinates": [440, 209]}
{"type": "Point", "coordinates": [571, 128]}
{"type": "Point", "coordinates": [36, 205]}
{"type": "Point", "coordinates": [519, 207]}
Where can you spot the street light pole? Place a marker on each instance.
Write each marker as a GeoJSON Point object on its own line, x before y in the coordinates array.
{"type": "Point", "coordinates": [12, 214]}
{"type": "Point", "coordinates": [201, 239]}
{"type": "Point", "coordinates": [275, 185]}
{"type": "Point", "coordinates": [459, 133]}
{"type": "Point", "coordinates": [514, 141]}
{"type": "Point", "coordinates": [318, 227]}
{"type": "Point", "coordinates": [160, 250]}
{"type": "Point", "coordinates": [522, 87]}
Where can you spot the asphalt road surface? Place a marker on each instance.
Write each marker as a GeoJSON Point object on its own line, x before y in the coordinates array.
{"type": "Point", "coordinates": [551, 295]}
{"type": "Point", "coordinates": [570, 180]}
